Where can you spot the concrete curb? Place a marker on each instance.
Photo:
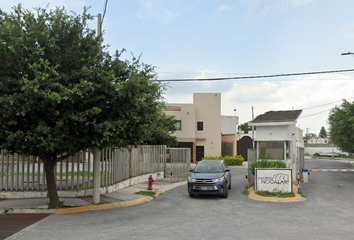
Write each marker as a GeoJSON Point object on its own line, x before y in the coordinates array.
{"type": "Point", "coordinates": [254, 196]}
{"type": "Point", "coordinates": [117, 205]}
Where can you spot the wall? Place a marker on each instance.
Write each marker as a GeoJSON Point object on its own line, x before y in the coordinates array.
{"type": "Point", "coordinates": [186, 115]}
{"type": "Point", "coordinates": [229, 124]}
{"type": "Point", "coordinates": [208, 111]}
{"type": "Point", "coordinates": [229, 145]}
{"type": "Point", "coordinates": [321, 150]}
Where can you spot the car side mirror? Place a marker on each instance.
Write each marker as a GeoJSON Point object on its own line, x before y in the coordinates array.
{"type": "Point", "coordinates": [191, 169]}
{"type": "Point", "coordinates": [227, 170]}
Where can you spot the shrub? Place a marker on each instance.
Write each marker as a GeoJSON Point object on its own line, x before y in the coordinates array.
{"type": "Point", "coordinates": [316, 155]}
{"type": "Point", "coordinates": [264, 163]}
{"type": "Point", "coordinates": [231, 161]}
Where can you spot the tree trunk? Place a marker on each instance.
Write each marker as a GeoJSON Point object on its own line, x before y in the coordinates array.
{"type": "Point", "coordinates": [49, 165]}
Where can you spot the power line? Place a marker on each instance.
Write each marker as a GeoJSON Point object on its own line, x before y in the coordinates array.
{"type": "Point", "coordinates": [253, 77]}
{"type": "Point", "coordinates": [325, 104]}
{"type": "Point", "coordinates": [315, 113]}
{"type": "Point", "coordinates": [104, 12]}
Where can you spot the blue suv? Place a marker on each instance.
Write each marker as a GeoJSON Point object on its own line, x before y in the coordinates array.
{"type": "Point", "coordinates": [210, 177]}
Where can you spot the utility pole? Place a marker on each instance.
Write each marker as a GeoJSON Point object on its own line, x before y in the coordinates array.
{"type": "Point", "coordinates": [96, 152]}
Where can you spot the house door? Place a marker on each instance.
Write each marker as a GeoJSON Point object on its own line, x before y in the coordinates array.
{"type": "Point", "coordinates": [199, 152]}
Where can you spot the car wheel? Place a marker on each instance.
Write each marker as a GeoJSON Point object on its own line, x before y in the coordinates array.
{"type": "Point", "coordinates": [191, 195]}
{"type": "Point", "coordinates": [226, 193]}
{"type": "Point", "coordinates": [230, 184]}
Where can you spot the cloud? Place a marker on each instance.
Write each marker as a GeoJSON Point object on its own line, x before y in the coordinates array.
{"type": "Point", "coordinates": [224, 8]}
{"type": "Point", "coordinates": [74, 5]}
{"type": "Point", "coordinates": [298, 3]}
{"type": "Point", "coordinates": [153, 11]}
{"type": "Point", "coordinates": [315, 94]}
{"type": "Point", "coordinates": [260, 8]}
{"type": "Point", "coordinates": [349, 31]}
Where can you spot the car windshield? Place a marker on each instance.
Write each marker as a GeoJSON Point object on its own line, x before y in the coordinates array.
{"type": "Point", "coordinates": [208, 168]}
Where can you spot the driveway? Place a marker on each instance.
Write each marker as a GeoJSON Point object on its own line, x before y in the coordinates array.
{"type": "Point", "coordinates": [327, 214]}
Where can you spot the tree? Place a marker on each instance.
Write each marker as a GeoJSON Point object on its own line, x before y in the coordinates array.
{"type": "Point", "coordinates": [341, 126]}
{"type": "Point", "coordinates": [61, 92]}
{"type": "Point", "coordinates": [323, 133]}
{"type": "Point", "coordinates": [244, 127]}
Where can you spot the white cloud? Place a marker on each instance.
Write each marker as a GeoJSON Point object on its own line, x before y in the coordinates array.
{"type": "Point", "coordinates": [260, 8]}
{"type": "Point", "coordinates": [224, 8]}
{"type": "Point", "coordinates": [153, 11]}
{"type": "Point", "coordinates": [74, 5]}
{"type": "Point", "coordinates": [311, 93]}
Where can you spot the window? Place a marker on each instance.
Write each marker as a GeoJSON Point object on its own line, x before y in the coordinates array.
{"type": "Point", "coordinates": [273, 150]}
{"type": "Point", "coordinates": [178, 125]}
{"type": "Point", "coordinates": [199, 126]}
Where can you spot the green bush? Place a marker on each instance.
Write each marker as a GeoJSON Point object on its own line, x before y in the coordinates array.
{"type": "Point", "coordinates": [316, 155]}
{"type": "Point", "coordinates": [231, 161]}
{"type": "Point", "coordinates": [264, 163]}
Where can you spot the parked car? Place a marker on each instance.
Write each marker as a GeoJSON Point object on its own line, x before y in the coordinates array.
{"type": "Point", "coordinates": [210, 177]}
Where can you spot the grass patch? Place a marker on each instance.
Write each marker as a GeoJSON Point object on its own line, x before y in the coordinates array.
{"type": "Point", "coordinates": [276, 194]}
{"type": "Point", "coordinates": [147, 193]}
{"type": "Point", "coordinates": [245, 191]}
{"type": "Point", "coordinates": [301, 194]}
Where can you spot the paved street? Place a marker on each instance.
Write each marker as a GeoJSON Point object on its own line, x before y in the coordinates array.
{"type": "Point", "coordinates": [327, 214]}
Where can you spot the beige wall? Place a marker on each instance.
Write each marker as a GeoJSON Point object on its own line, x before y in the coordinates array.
{"type": "Point", "coordinates": [188, 126]}
{"type": "Point", "coordinates": [206, 108]}
{"type": "Point", "coordinates": [208, 111]}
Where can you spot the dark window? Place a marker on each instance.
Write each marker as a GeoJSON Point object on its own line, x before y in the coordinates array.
{"type": "Point", "coordinates": [178, 125]}
{"type": "Point", "coordinates": [200, 126]}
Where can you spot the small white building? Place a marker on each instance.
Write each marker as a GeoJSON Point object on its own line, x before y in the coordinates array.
{"type": "Point", "coordinates": [278, 137]}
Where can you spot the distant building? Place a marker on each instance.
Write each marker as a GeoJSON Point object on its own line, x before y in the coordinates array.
{"type": "Point", "coordinates": [201, 127]}
{"type": "Point", "coordinates": [317, 140]}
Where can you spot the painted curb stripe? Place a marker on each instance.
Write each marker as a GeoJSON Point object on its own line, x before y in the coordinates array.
{"type": "Point", "coordinates": [331, 170]}
{"type": "Point", "coordinates": [103, 206]}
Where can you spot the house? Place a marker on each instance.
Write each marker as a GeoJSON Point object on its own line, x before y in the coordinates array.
{"type": "Point", "coordinates": [200, 126]}
{"type": "Point", "coordinates": [317, 140]}
{"type": "Point", "coordinates": [279, 138]}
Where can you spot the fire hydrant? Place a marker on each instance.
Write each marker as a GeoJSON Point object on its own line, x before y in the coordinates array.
{"type": "Point", "coordinates": [151, 180]}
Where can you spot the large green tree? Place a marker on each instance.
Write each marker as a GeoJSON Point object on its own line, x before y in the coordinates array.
{"type": "Point", "coordinates": [341, 126]}
{"type": "Point", "coordinates": [61, 92]}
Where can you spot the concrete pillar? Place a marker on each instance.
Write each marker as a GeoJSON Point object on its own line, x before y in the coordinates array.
{"type": "Point", "coordinates": [96, 176]}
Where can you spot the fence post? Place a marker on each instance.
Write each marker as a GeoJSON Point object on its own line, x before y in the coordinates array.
{"type": "Point", "coordinates": [96, 176]}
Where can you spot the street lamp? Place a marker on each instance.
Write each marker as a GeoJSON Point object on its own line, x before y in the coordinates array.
{"type": "Point", "coordinates": [348, 53]}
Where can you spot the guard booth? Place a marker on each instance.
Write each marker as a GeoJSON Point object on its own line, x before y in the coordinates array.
{"type": "Point", "coordinates": [278, 138]}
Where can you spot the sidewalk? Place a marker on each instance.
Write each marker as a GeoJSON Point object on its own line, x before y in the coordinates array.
{"type": "Point", "coordinates": [121, 198]}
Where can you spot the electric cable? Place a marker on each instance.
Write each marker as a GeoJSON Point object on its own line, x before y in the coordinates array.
{"type": "Point", "coordinates": [253, 77]}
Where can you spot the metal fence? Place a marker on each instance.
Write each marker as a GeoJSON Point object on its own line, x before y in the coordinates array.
{"type": "Point", "coordinates": [178, 163]}
{"type": "Point", "coordinates": [26, 173]}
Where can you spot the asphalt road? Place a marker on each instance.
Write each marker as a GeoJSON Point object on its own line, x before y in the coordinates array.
{"type": "Point", "coordinates": [327, 214]}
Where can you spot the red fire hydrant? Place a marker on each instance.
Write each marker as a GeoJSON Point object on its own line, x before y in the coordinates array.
{"type": "Point", "coordinates": [151, 180]}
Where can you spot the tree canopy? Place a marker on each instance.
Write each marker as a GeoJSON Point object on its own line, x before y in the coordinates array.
{"type": "Point", "coordinates": [341, 126]}
{"type": "Point", "coordinates": [61, 91]}
{"type": "Point", "coordinates": [244, 127]}
{"type": "Point", "coordinates": [323, 133]}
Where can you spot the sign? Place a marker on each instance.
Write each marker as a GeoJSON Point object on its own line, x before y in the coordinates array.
{"type": "Point", "coordinates": [273, 179]}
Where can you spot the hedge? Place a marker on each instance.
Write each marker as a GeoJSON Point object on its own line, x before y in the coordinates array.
{"type": "Point", "coordinates": [264, 163]}
{"type": "Point", "coordinates": [231, 161]}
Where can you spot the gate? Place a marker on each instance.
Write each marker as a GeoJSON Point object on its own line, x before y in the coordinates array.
{"type": "Point", "coordinates": [178, 163]}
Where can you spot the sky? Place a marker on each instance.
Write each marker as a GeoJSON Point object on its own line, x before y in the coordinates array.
{"type": "Point", "coordinates": [198, 39]}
